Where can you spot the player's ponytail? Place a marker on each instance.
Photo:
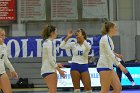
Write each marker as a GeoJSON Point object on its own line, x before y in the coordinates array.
{"type": "Point", "coordinates": [106, 27]}
{"type": "Point", "coordinates": [47, 31]}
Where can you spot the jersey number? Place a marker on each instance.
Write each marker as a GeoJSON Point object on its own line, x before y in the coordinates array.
{"type": "Point", "coordinates": [80, 53]}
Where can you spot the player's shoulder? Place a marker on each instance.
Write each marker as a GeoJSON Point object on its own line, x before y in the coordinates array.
{"type": "Point", "coordinates": [47, 42]}
{"type": "Point", "coordinates": [104, 38]}
{"type": "Point", "coordinates": [4, 45]}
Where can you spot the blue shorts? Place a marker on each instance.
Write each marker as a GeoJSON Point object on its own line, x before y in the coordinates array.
{"type": "Point", "coordinates": [103, 69]}
{"type": "Point", "coordinates": [46, 74]}
{"type": "Point", "coordinates": [79, 67]}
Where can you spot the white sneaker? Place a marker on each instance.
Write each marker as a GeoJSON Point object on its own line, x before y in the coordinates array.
{"type": "Point", "coordinates": [133, 83]}
{"type": "Point", "coordinates": [76, 90]}
{"type": "Point", "coordinates": [90, 91]}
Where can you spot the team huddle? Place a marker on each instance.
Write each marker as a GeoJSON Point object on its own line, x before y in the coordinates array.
{"type": "Point", "coordinates": [79, 66]}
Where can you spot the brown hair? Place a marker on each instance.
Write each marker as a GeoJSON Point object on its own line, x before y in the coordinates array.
{"type": "Point", "coordinates": [106, 27]}
{"type": "Point", "coordinates": [83, 33]}
{"type": "Point", "coordinates": [47, 31]}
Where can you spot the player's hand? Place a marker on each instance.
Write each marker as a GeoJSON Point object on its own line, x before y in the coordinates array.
{"type": "Point", "coordinates": [60, 65]}
{"type": "Point", "coordinates": [62, 73]}
{"type": "Point", "coordinates": [70, 33]}
{"type": "Point", "coordinates": [14, 74]}
{"type": "Point", "coordinates": [120, 56]}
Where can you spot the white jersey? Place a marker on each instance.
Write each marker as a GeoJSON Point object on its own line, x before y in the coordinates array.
{"type": "Point", "coordinates": [80, 52]}
{"type": "Point", "coordinates": [4, 60]}
{"type": "Point", "coordinates": [48, 57]}
{"type": "Point", "coordinates": [107, 56]}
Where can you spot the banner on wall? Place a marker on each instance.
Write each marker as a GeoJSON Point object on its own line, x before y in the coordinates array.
{"type": "Point", "coordinates": [32, 9]}
{"type": "Point", "coordinates": [32, 46]}
{"type": "Point", "coordinates": [95, 9]}
{"type": "Point", "coordinates": [7, 10]}
{"type": "Point", "coordinates": [64, 9]}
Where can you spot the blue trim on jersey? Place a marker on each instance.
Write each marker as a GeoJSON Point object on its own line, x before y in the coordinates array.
{"type": "Point", "coordinates": [102, 69]}
{"type": "Point", "coordinates": [79, 67]}
{"type": "Point", "coordinates": [109, 42]}
{"type": "Point", "coordinates": [111, 47]}
{"type": "Point", "coordinates": [52, 49]}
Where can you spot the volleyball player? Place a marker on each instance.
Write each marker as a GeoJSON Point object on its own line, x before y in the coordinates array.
{"type": "Point", "coordinates": [49, 65]}
{"type": "Point", "coordinates": [106, 60]}
{"type": "Point", "coordinates": [4, 79]}
{"type": "Point", "coordinates": [79, 66]}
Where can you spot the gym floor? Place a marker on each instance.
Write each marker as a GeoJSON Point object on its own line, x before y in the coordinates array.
{"type": "Point", "coordinates": [45, 90]}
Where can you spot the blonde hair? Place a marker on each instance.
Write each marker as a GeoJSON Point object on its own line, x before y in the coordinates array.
{"type": "Point", "coordinates": [1, 30]}
{"type": "Point", "coordinates": [106, 27]}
